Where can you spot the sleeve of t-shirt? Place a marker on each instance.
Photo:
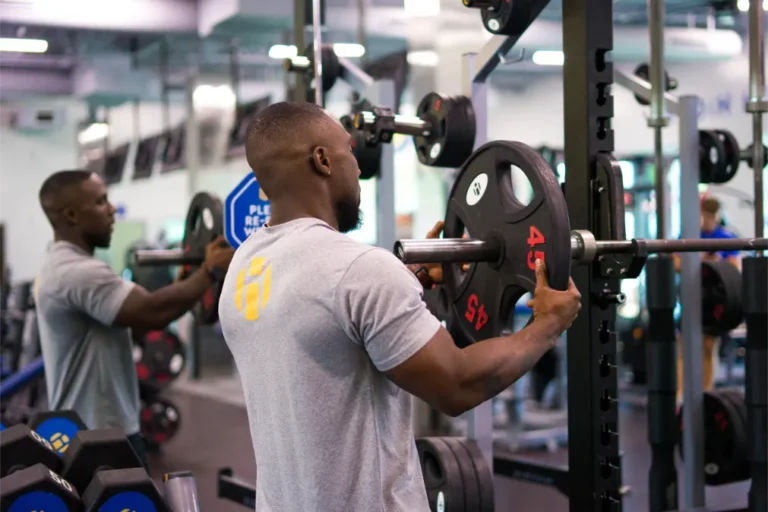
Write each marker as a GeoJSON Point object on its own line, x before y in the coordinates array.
{"type": "Point", "coordinates": [380, 306]}
{"type": "Point", "coordinates": [91, 286]}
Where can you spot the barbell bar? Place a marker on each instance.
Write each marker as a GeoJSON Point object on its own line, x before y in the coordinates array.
{"type": "Point", "coordinates": [405, 125]}
{"type": "Point", "coordinates": [584, 248]}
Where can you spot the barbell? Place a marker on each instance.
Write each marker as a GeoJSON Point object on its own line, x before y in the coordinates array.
{"type": "Point", "coordinates": [443, 128]}
{"type": "Point", "coordinates": [506, 200]}
{"type": "Point", "coordinates": [204, 223]}
{"type": "Point", "coordinates": [584, 248]}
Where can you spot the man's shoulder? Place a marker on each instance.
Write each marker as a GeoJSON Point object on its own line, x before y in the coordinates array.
{"type": "Point", "coordinates": [63, 263]}
{"type": "Point", "coordinates": [723, 232]}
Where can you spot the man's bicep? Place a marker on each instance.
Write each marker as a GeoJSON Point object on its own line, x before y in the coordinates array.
{"type": "Point", "coordinates": [382, 301]}
{"type": "Point", "coordinates": [94, 288]}
{"type": "Point", "coordinates": [432, 372]}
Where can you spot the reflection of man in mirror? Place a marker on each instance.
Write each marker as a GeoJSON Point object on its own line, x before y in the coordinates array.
{"type": "Point", "coordinates": [712, 226]}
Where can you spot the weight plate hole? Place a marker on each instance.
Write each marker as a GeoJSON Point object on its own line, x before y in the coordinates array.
{"type": "Point", "coordinates": [177, 361]}
{"type": "Point", "coordinates": [516, 189]}
{"type": "Point", "coordinates": [208, 219]}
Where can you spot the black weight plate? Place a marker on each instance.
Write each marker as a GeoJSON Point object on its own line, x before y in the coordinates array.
{"type": "Point", "coordinates": [438, 303]}
{"type": "Point", "coordinates": [331, 68]}
{"type": "Point", "coordinates": [159, 358]}
{"type": "Point", "coordinates": [644, 72]}
{"type": "Point", "coordinates": [483, 475]}
{"type": "Point", "coordinates": [483, 201]}
{"type": "Point", "coordinates": [452, 130]}
{"type": "Point", "coordinates": [509, 18]}
{"type": "Point", "coordinates": [368, 156]}
{"type": "Point", "coordinates": [740, 427]}
{"type": "Point", "coordinates": [722, 464]}
{"type": "Point", "coordinates": [442, 475]}
{"type": "Point", "coordinates": [160, 420]}
{"type": "Point", "coordinates": [712, 158]}
{"type": "Point", "coordinates": [471, 488]}
{"type": "Point", "coordinates": [721, 308]}
{"type": "Point", "coordinates": [732, 156]}
{"type": "Point", "coordinates": [748, 159]}
{"type": "Point", "coordinates": [204, 223]}
{"type": "Point", "coordinates": [748, 156]}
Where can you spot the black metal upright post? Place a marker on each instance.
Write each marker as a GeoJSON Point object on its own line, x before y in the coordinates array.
{"type": "Point", "coordinates": [755, 278]}
{"type": "Point", "coordinates": [300, 20]}
{"type": "Point", "coordinates": [662, 382]}
{"type": "Point", "coordinates": [756, 382]}
{"type": "Point", "coordinates": [593, 436]}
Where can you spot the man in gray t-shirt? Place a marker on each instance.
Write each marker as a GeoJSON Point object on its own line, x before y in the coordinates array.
{"type": "Point", "coordinates": [331, 337]}
{"type": "Point", "coordinates": [85, 311]}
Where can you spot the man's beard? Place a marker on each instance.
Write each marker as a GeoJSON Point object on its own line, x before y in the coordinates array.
{"type": "Point", "coordinates": [100, 241]}
{"type": "Point", "coordinates": [348, 215]}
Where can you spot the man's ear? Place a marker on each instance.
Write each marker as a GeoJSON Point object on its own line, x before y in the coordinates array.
{"type": "Point", "coordinates": [69, 216]}
{"type": "Point", "coordinates": [320, 160]}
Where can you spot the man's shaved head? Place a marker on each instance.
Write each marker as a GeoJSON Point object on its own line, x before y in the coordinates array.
{"type": "Point", "coordinates": [302, 157]}
{"type": "Point", "coordinates": [75, 202]}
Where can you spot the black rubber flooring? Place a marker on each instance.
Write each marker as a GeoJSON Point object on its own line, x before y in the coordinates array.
{"type": "Point", "coordinates": [215, 435]}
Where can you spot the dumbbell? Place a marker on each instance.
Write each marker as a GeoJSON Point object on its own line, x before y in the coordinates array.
{"type": "Point", "coordinates": [104, 468]}
{"type": "Point", "coordinates": [57, 427]}
{"type": "Point", "coordinates": [38, 488]}
{"type": "Point", "coordinates": [21, 448]}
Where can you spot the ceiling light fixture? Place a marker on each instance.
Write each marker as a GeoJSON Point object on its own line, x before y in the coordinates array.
{"type": "Point", "coordinates": [345, 50]}
{"type": "Point", "coordinates": [548, 58]}
{"type": "Point", "coordinates": [19, 45]}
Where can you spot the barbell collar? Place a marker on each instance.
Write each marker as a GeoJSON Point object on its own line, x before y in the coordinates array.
{"type": "Point", "coordinates": [584, 248]}
{"type": "Point", "coordinates": [757, 106]}
{"type": "Point", "coordinates": [164, 257]}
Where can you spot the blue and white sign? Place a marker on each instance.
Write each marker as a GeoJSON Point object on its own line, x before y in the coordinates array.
{"type": "Point", "coordinates": [246, 210]}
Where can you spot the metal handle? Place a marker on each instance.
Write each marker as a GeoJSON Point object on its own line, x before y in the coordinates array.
{"type": "Point", "coordinates": [165, 257]}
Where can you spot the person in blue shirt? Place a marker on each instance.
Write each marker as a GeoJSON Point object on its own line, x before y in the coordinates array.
{"type": "Point", "coordinates": [711, 227]}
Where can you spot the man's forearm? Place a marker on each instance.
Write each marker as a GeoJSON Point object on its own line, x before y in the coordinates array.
{"type": "Point", "coordinates": [491, 366]}
{"type": "Point", "coordinates": [172, 301]}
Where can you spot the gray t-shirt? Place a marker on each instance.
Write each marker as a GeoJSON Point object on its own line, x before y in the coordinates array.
{"type": "Point", "coordinates": [312, 318]}
{"type": "Point", "coordinates": [88, 363]}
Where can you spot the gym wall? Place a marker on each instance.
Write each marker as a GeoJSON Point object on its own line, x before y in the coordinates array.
{"type": "Point", "coordinates": [26, 159]}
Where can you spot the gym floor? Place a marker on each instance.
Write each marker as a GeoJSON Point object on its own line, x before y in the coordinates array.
{"type": "Point", "coordinates": [205, 443]}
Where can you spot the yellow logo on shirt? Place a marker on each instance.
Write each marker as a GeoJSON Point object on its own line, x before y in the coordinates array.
{"type": "Point", "coordinates": [253, 296]}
